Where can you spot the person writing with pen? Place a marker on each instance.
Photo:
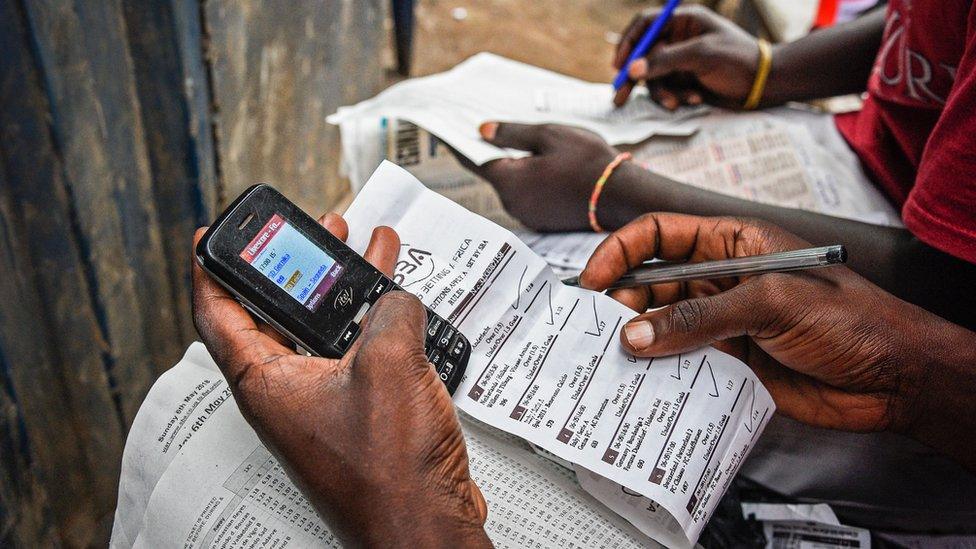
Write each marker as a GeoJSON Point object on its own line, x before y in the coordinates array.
{"type": "Point", "coordinates": [834, 350]}
{"type": "Point", "coordinates": [916, 139]}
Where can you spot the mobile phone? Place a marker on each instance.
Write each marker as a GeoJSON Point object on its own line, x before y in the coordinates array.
{"type": "Point", "coordinates": [289, 271]}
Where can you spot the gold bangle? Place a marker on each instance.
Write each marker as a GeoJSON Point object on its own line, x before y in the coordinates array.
{"type": "Point", "coordinates": [762, 73]}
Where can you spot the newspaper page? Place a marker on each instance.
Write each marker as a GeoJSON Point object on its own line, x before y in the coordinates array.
{"type": "Point", "coordinates": [547, 364]}
{"type": "Point", "coordinates": [785, 157]}
{"type": "Point", "coordinates": [452, 104]}
{"type": "Point", "coordinates": [195, 474]}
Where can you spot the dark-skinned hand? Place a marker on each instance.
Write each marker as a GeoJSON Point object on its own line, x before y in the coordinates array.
{"type": "Point", "coordinates": [699, 56]}
{"type": "Point", "coordinates": [372, 439]}
{"type": "Point", "coordinates": [550, 190]}
{"type": "Point", "coordinates": [828, 344]}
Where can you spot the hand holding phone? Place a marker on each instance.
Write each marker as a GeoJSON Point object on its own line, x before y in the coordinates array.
{"type": "Point", "coordinates": [306, 283]}
{"type": "Point", "coordinates": [358, 434]}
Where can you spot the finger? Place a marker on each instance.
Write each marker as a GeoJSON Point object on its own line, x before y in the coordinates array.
{"type": "Point", "coordinates": [665, 97]}
{"type": "Point", "coordinates": [667, 293]}
{"type": "Point", "coordinates": [634, 298]}
{"type": "Point", "coordinates": [630, 37]}
{"type": "Point", "coordinates": [623, 93]}
{"type": "Point", "coordinates": [335, 224]}
{"type": "Point", "coordinates": [230, 333]}
{"type": "Point", "coordinates": [464, 160]}
{"type": "Point", "coordinates": [393, 335]}
{"type": "Point", "coordinates": [694, 323]}
{"type": "Point", "coordinates": [481, 506]}
{"type": "Point", "coordinates": [674, 237]}
{"type": "Point", "coordinates": [627, 248]}
{"type": "Point", "coordinates": [690, 97]}
{"type": "Point", "coordinates": [383, 249]}
{"type": "Point", "coordinates": [525, 137]}
{"type": "Point", "coordinates": [687, 56]}
{"type": "Point", "coordinates": [508, 171]}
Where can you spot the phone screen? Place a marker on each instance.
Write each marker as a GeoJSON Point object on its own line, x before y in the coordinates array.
{"type": "Point", "coordinates": [293, 262]}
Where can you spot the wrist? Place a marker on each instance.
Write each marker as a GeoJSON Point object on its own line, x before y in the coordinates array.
{"type": "Point", "coordinates": [423, 524]}
{"type": "Point", "coordinates": [630, 192]}
{"type": "Point", "coordinates": [776, 93]}
{"type": "Point", "coordinates": [764, 62]}
{"type": "Point", "coordinates": [933, 400]}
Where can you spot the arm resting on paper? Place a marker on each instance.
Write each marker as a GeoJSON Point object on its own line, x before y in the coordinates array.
{"type": "Point", "coordinates": [550, 190]}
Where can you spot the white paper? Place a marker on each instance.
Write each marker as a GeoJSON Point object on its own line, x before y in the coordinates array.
{"type": "Point", "coordinates": [429, 160]}
{"type": "Point", "coordinates": [785, 157]}
{"type": "Point", "coordinates": [804, 526]}
{"type": "Point", "coordinates": [565, 250]}
{"type": "Point", "coordinates": [804, 512]}
{"type": "Point", "coordinates": [547, 365]}
{"type": "Point", "coordinates": [452, 104]}
{"type": "Point", "coordinates": [208, 481]}
{"type": "Point", "coordinates": [804, 535]}
{"type": "Point", "coordinates": [646, 515]}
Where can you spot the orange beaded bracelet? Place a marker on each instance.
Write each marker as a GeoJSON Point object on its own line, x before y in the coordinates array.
{"type": "Point", "coordinates": [598, 188]}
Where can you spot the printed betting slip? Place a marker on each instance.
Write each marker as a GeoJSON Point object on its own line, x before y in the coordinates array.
{"type": "Point", "coordinates": [546, 361]}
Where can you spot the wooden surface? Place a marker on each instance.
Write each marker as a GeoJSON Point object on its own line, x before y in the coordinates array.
{"type": "Point", "coordinates": [278, 71]}
{"type": "Point", "coordinates": [125, 124]}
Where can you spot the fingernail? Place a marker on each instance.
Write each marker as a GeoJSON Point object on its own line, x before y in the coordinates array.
{"type": "Point", "coordinates": [670, 103]}
{"type": "Point", "coordinates": [640, 334]}
{"type": "Point", "coordinates": [637, 69]}
{"type": "Point", "coordinates": [488, 130]}
{"type": "Point", "coordinates": [694, 99]}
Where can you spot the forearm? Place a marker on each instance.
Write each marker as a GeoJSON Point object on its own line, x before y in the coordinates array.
{"type": "Point", "coordinates": [397, 518]}
{"type": "Point", "coordinates": [890, 258]}
{"type": "Point", "coordinates": [936, 399]}
{"type": "Point", "coordinates": [825, 63]}
{"type": "Point", "coordinates": [413, 530]}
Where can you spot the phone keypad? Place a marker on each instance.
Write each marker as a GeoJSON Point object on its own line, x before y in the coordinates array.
{"type": "Point", "coordinates": [446, 347]}
{"type": "Point", "coordinates": [434, 325]}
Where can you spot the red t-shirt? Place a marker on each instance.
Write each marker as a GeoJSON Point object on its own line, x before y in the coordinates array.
{"type": "Point", "coordinates": [916, 133]}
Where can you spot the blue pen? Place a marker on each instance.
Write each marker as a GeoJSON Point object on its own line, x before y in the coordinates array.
{"type": "Point", "coordinates": [646, 41]}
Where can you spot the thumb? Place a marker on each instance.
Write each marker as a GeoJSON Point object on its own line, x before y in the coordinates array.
{"type": "Point", "coordinates": [393, 335]}
{"type": "Point", "coordinates": [526, 137]}
{"type": "Point", "coordinates": [694, 323]}
{"type": "Point", "coordinates": [687, 56]}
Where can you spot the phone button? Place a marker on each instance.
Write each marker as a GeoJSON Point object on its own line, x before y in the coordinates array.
{"type": "Point", "coordinates": [457, 346]}
{"type": "Point", "coordinates": [347, 336]}
{"type": "Point", "coordinates": [446, 337]}
{"type": "Point", "coordinates": [436, 358]}
{"type": "Point", "coordinates": [434, 327]}
{"type": "Point", "coordinates": [446, 371]}
{"type": "Point", "coordinates": [381, 287]}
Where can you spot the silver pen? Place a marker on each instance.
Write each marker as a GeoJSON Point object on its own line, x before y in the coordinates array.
{"type": "Point", "coordinates": [781, 262]}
